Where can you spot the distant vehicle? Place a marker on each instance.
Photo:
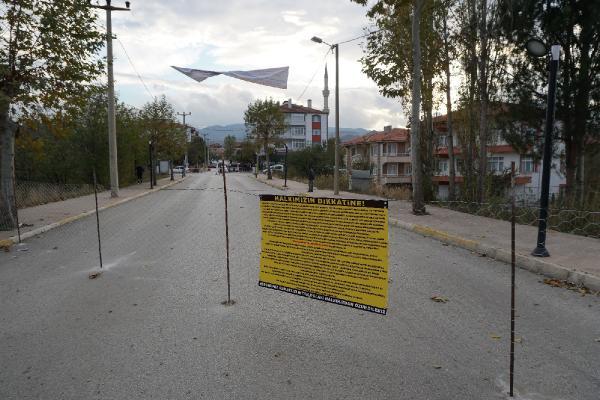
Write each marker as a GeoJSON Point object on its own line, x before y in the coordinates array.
{"type": "Point", "coordinates": [179, 169]}
{"type": "Point", "coordinates": [276, 167]}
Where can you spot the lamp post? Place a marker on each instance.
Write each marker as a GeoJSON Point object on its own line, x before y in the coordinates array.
{"type": "Point", "coordinates": [336, 170]}
{"type": "Point", "coordinates": [285, 167]}
{"type": "Point", "coordinates": [537, 48]}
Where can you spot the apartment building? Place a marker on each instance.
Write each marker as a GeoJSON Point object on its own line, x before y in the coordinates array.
{"type": "Point", "coordinates": [386, 154]}
{"type": "Point", "coordinates": [307, 125]}
{"type": "Point", "coordinates": [500, 156]}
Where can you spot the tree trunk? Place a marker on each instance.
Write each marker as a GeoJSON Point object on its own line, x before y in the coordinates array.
{"type": "Point", "coordinates": [266, 146]}
{"type": "Point", "coordinates": [8, 212]}
{"type": "Point", "coordinates": [417, 188]}
{"type": "Point", "coordinates": [483, 101]}
{"type": "Point", "coordinates": [449, 139]}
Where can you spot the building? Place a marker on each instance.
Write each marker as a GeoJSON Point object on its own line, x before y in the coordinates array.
{"type": "Point", "coordinates": [307, 125]}
{"type": "Point", "coordinates": [386, 154]}
{"type": "Point", "coordinates": [500, 156]}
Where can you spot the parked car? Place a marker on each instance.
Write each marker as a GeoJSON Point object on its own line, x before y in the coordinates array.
{"type": "Point", "coordinates": [276, 167]}
{"type": "Point", "coordinates": [178, 169]}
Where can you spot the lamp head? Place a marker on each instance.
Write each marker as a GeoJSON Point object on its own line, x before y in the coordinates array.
{"type": "Point", "coordinates": [127, 4]}
{"type": "Point", "coordinates": [536, 48]}
{"type": "Point", "coordinates": [316, 39]}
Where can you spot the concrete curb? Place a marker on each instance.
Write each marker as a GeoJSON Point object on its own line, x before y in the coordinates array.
{"type": "Point", "coordinates": [68, 220]}
{"type": "Point", "coordinates": [532, 264]}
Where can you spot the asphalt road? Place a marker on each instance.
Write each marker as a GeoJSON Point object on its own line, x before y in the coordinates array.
{"type": "Point", "coordinates": [152, 326]}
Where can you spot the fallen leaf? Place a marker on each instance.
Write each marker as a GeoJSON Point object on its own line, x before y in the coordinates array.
{"type": "Point", "coordinates": [518, 340]}
{"type": "Point", "coordinates": [439, 299]}
{"type": "Point", "coordinates": [495, 337]}
{"type": "Point", "coordinates": [598, 340]}
{"type": "Point", "coordinates": [94, 275]}
{"type": "Point", "coordinates": [437, 366]}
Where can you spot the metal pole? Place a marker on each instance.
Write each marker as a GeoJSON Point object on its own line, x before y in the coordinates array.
{"type": "Point", "coordinates": [285, 167]}
{"type": "Point", "coordinates": [97, 218]}
{"type": "Point", "coordinates": [14, 182]}
{"type": "Point", "coordinates": [336, 171]}
{"type": "Point", "coordinates": [540, 250]}
{"type": "Point", "coordinates": [112, 125]}
{"type": "Point", "coordinates": [512, 279]}
{"type": "Point", "coordinates": [151, 166]}
{"type": "Point", "coordinates": [226, 234]}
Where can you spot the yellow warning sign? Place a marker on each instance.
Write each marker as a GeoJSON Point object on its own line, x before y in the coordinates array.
{"type": "Point", "coordinates": [329, 249]}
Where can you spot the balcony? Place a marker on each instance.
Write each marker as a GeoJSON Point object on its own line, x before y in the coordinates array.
{"type": "Point", "coordinates": [400, 178]}
{"type": "Point", "coordinates": [395, 158]}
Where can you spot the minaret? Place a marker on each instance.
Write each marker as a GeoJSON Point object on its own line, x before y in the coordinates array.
{"type": "Point", "coordinates": [326, 93]}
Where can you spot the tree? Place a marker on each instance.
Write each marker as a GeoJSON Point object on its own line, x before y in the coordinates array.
{"type": "Point", "coordinates": [575, 26]}
{"type": "Point", "coordinates": [265, 122]}
{"type": "Point", "coordinates": [161, 127]}
{"type": "Point", "coordinates": [47, 52]}
{"type": "Point", "coordinates": [229, 146]}
{"type": "Point", "coordinates": [197, 151]}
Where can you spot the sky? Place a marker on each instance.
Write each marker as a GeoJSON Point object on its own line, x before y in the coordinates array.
{"type": "Point", "coordinates": [244, 35]}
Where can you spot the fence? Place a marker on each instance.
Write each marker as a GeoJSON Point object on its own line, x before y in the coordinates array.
{"type": "Point", "coordinates": [577, 222]}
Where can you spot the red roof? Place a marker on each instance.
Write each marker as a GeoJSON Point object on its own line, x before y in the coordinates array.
{"type": "Point", "coordinates": [395, 135]}
{"type": "Point", "coordinates": [295, 108]}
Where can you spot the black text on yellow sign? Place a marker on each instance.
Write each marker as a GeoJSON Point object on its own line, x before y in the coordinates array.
{"type": "Point", "coordinates": [334, 250]}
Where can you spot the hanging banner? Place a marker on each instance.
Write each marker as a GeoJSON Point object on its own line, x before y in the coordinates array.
{"type": "Point", "coordinates": [329, 249]}
{"type": "Point", "coordinates": [274, 77]}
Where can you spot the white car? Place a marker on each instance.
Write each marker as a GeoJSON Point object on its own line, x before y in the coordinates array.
{"type": "Point", "coordinates": [178, 169]}
{"type": "Point", "coordinates": [276, 167]}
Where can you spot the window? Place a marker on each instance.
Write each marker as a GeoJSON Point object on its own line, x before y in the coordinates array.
{"type": "Point", "coordinates": [527, 164]}
{"type": "Point", "coordinates": [316, 118]}
{"type": "Point", "coordinates": [443, 141]}
{"type": "Point", "coordinates": [316, 132]}
{"type": "Point", "coordinates": [407, 169]}
{"type": "Point", "coordinates": [391, 149]}
{"type": "Point", "coordinates": [495, 164]}
{"type": "Point", "coordinates": [390, 169]}
{"type": "Point", "coordinates": [298, 143]}
{"type": "Point", "coordinates": [374, 149]}
{"type": "Point", "coordinates": [298, 131]}
{"type": "Point", "coordinates": [443, 167]}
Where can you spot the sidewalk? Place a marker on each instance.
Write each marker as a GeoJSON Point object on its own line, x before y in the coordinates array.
{"type": "Point", "coordinates": [42, 218]}
{"type": "Point", "coordinates": [573, 258]}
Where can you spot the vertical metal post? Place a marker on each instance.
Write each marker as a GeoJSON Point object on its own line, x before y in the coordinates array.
{"type": "Point", "coordinates": [285, 167]}
{"type": "Point", "coordinates": [540, 250]}
{"type": "Point", "coordinates": [151, 165]}
{"type": "Point", "coordinates": [512, 278]}
{"type": "Point", "coordinates": [226, 233]}
{"type": "Point", "coordinates": [14, 182]}
{"type": "Point", "coordinates": [97, 218]}
{"type": "Point", "coordinates": [336, 172]}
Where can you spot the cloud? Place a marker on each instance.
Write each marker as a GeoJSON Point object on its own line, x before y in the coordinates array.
{"type": "Point", "coordinates": [245, 34]}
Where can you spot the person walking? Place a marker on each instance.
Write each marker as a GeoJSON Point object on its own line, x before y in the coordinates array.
{"type": "Point", "coordinates": [311, 179]}
{"type": "Point", "coordinates": [139, 172]}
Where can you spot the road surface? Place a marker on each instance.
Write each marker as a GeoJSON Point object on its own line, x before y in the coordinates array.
{"type": "Point", "coordinates": [152, 326]}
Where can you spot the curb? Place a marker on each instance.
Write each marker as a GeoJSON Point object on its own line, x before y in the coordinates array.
{"type": "Point", "coordinates": [68, 220]}
{"type": "Point", "coordinates": [524, 262]}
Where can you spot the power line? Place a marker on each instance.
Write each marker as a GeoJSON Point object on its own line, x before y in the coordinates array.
{"type": "Point", "coordinates": [135, 69]}
{"type": "Point", "coordinates": [360, 37]}
{"type": "Point", "coordinates": [314, 74]}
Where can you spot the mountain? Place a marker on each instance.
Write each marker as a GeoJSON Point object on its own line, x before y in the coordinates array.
{"type": "Point", "coordinates": [217, 133]}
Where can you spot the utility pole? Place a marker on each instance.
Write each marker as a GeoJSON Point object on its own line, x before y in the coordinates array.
{"type": "Point", "coordinates": [112, 125]}
{"type": "Point", "coordinates": [185, 161]}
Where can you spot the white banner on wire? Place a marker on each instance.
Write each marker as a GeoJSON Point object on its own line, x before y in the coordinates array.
{"type": "Point", "coordinates": [274, 77]}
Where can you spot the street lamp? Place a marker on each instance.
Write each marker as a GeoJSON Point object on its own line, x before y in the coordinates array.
{"type": "Point", "coordinates": [536, 48]}
{"type": "Point", "coordinates": [336, 170]}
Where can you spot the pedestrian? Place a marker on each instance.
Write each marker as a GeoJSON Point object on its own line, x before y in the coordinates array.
{"type": "Point", "coordinates": [139, 172]}
{"type": "Point", "coordinates": [311, 179]}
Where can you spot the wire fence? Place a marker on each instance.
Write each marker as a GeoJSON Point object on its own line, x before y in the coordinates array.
{"type": "Point", "coordinates": [577, 222]}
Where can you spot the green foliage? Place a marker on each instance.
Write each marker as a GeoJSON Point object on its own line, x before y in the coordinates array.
{"type": "Point", "coordinates": [247, 153]}
{"type": "Point", "coordinates": [320, 159]}
{"type": "Point", "coordinates": [229, 146]}
{"type": "Point", "coordinates": [160, 125]}
{"type": "Point", "coordinates": [197, 151]}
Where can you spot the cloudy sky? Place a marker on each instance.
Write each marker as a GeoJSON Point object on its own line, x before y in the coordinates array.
{"type": "Point", "coordinates": [238, 35]}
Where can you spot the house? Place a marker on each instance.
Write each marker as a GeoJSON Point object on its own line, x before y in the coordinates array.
{"type": "Point", "coordinates": [500, 156]}
{"type": "Point", "coordinates": [386, 154]}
